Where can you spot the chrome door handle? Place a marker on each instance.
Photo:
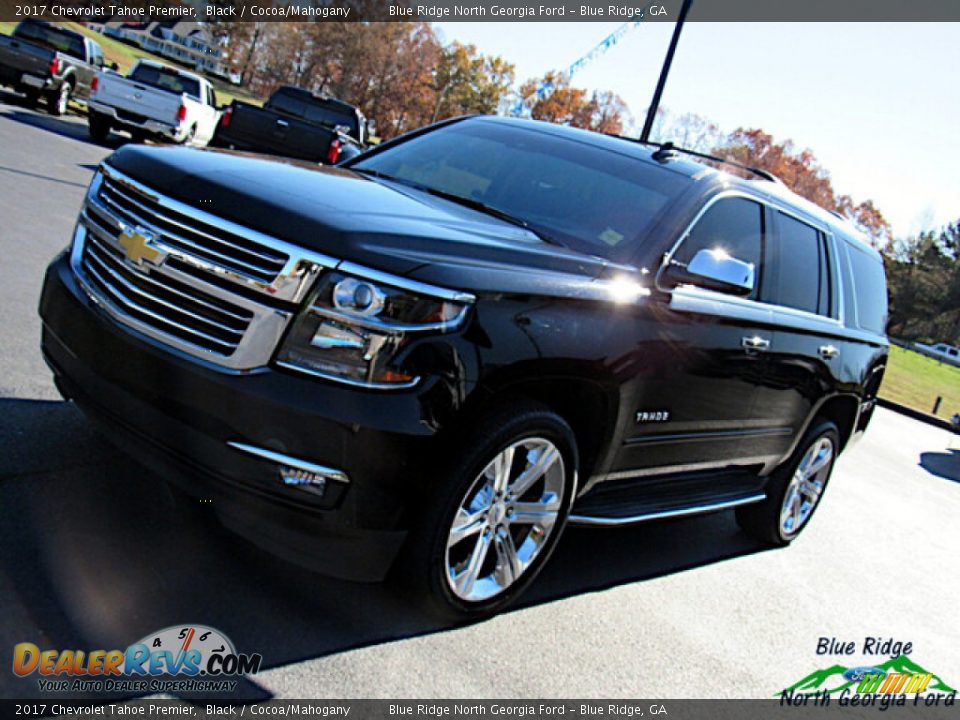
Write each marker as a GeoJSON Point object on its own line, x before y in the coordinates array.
{"type": "Point", "coordinates": [828, 351]}
{"type": "Point", "coordinates": [283, 123]}
{"type": "Point", "coordinates": [755, 342]}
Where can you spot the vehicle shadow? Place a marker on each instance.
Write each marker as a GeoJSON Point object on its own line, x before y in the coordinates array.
{"type": "Point", "coordinates": [60, 126]}
{"type": "Point", "coordinates": [945, 465]}
{"type": "Point", "coordinates": [96, 552]}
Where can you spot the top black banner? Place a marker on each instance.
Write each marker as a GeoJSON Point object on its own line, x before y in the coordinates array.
{"type": "Point", "coordinates": [135, 11]}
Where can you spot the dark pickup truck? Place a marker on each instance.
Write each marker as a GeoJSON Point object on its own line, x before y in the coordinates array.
{"type": "Point", "coordinates": [294, 123]}
{"type": "Point", "coordinates": [40, 59]}
{"type": "Point", "coordinates": [446, 350]}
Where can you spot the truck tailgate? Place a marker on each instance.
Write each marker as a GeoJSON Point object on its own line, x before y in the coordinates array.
{"type": "Point", "coordinates": [267, 131]}
{"type": "Point", "coordinates": [25, 57]}
{"type": "Point", "coordinates": [136, 100]}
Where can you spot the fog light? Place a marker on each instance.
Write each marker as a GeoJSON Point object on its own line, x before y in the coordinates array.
{"type": "Point", "coordinates": [311, 482]}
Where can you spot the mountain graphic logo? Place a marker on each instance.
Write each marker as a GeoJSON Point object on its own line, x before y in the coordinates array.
{"type": "Point", "coordinates": [833, 679]}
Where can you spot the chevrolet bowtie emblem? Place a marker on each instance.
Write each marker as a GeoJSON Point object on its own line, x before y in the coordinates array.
{"type": "Point", "coordinates": [137, 246]}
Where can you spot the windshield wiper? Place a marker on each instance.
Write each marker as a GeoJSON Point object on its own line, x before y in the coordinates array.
{"type": "Point", "coordinates": [461, 200]}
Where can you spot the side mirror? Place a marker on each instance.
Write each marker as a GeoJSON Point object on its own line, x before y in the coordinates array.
{"type": "Point", "coordinates": [716, 270]}
{"type": "Point", "coordinates": [114, 67]}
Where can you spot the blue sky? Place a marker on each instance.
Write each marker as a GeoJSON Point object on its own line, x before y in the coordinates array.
{"type": "Point", "coordinates": [878, 103]}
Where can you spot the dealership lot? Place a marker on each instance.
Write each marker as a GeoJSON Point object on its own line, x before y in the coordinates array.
{"type": "Point", "coordinates": [96, 553]}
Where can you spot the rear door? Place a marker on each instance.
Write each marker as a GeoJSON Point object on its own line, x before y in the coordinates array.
{"type": "Point", "coordinates": [700, 358]}
{"type": "Point", "coordinates": [806, 353]}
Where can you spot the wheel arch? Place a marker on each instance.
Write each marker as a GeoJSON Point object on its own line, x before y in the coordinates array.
{"type": "Point", "coordinates": [586, 404]}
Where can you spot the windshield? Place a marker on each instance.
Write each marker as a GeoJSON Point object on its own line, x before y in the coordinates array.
{"type": "Point", "coordinates": [51, 37]}
{"type": "Point", "coordinates": [164, 79]}
{"type": "Point", "coordinates": [585, 197]}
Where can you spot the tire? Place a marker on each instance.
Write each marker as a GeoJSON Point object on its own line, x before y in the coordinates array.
{"type": "Point", "coordinates": [58, 101]}
{"type": "Point", "coordinates": [190, 137]}
{"type": "Point", "coordinates": [473, 577]}
{"type": "Point", "coordinates": [98, 127]}
{"type": "Point", "coordinates": [795, 489]}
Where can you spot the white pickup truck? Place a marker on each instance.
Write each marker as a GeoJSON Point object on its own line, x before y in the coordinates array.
{"type": "Point", "coordinates": [154, 101]}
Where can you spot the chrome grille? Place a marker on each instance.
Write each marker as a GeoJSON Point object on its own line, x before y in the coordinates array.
{"type": "Point", "coordinates": [189, 235]}
{"type": "Point", "coordinates": [203, 286]}
{"type": "Point", "coordinates": [172, 307]}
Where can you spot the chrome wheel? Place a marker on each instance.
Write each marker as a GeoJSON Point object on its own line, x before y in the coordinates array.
{"type": "Point", "coordinates": [63, 99]}
{"type": "Point", "coordinates": [505, 519]}
{"type": "Point", "coordinates": [806, 486]}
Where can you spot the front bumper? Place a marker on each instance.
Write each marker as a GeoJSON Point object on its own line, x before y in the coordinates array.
{"type": "Point", "coordinates": [181, 417]}
{"type": "Point", "coordinates": [155, 128]}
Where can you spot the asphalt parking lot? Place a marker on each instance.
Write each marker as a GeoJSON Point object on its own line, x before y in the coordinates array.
{"type": "Point", "coordinates": [95, 552]}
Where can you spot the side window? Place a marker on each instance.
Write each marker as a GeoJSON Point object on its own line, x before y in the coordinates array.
{"type": "Point", "coordinates": [732, 224]}
{"type": "Point", "coordinates": [870, 287]}
{"type": "Point", "coordinates": [798, 276]}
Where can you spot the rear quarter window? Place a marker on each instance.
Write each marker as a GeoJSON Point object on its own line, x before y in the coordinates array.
{"type": "Point", "coordinates": [869, 288]}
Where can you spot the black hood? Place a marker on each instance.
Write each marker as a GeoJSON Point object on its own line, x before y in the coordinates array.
{"type": "Point", "coordinates": [350, 216]}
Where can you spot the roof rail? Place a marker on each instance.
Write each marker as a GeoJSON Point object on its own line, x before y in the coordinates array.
{"type": "Point", "coordinates": [668, 150]}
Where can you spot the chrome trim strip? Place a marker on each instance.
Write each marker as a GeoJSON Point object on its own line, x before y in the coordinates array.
{"type": "Point", "coordinates": [416, 286]}
{"type": "Point", "coordinates": [372, 323]}
{"type": "Point", "coordinates": [296, 463]}
{"type": "Point", "coordinates": [705, 436]}
{"type": "Point", "coordinates": [348, 381]}
{"type": "Point", "coordinates": [599, 521]}
{"type": "Point", "coordinates": [684, 467]}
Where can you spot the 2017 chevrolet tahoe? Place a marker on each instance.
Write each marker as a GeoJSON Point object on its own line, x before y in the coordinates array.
{"type": "Point", "coordinates": [435, 357]}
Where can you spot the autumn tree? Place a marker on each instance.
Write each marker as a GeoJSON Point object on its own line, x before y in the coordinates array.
{"type": "Point", "coordinates": [800, 170]}
{"type": "Point", "coordinates": [567, 105]}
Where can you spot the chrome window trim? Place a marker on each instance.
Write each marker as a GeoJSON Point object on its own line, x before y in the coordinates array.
{"type": "Point", "coordinates": [750, 310]}
{"type": "Point", "coordinates": [839, 283]}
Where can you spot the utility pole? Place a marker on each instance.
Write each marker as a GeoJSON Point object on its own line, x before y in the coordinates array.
{"type": "Point", "coordinates": [664, 71]}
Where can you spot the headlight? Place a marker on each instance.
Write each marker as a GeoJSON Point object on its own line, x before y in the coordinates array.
{"type": "Point", "coordinates": [355, 327]}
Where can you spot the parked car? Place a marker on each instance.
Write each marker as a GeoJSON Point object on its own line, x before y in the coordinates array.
{"type": "Point", "coordinates": [435, 357]}
{"type": "Point", "coordinates": [44, 60]}
{"type": "Point", "coordinates": [294, 123]}
{"type": "Point", "coordinates": [154, 101]}
{"type": "Point", "coordinates": [941, 351]}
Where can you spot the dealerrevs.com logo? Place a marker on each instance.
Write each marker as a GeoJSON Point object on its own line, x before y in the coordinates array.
{"type": "Point", "coordinates": [176, 659]}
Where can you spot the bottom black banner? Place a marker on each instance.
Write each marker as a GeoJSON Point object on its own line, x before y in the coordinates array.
{"type": "Point", "coordinates": [794, 706]}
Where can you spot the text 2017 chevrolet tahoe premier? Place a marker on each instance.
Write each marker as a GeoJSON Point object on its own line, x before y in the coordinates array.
{"type": "Point", "coordinates": [434, 358]}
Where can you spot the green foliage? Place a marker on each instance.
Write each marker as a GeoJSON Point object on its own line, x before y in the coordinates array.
{"type": "Point", "coordinates": [923, 276]}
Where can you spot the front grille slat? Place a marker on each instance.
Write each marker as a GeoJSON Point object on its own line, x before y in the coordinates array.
{"type": "Point", "coordinates": [153, 299]}
{"type": "Point", "coordinates": [166, 325]}
{"type": "Point", "coordinates": [173, 240]}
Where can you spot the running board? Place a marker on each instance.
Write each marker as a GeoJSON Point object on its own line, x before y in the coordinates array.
{"type": "Point", "coordinates": [600, 521]}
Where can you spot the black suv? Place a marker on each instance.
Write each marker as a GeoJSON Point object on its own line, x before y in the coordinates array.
{"type": "Point", "coordinates": [435, 357]}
